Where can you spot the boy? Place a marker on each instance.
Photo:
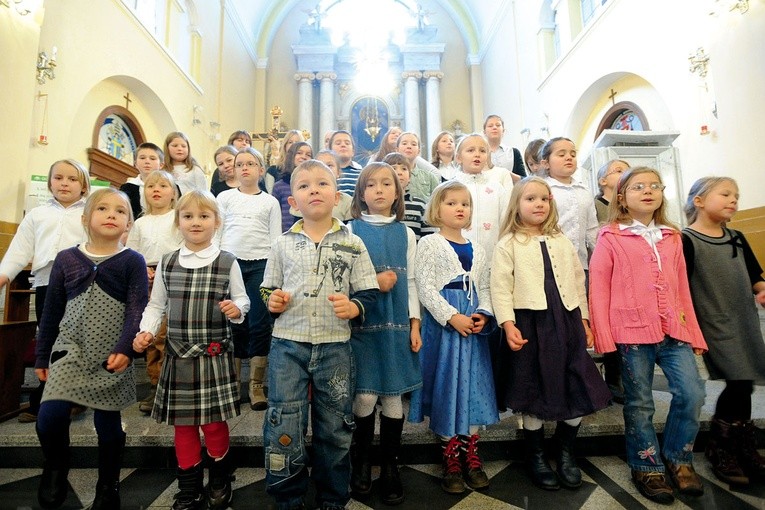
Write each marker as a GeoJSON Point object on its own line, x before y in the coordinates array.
{"type": "Point", "coordinates": [414, 207]}
{"type": "Point", "coordinates": [317, 278]}
{"type": "Point", "coordinates": [148, 157]}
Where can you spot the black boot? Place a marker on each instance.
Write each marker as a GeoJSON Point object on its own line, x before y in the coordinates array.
{"type": "Point", "coordinates": [452, 482]}
{"type": "Point", "coordinates": [749, 458]}
{"type": "Point", "coordinates": [219, 494]}
{"type": "Point", "coordinates": [569, 474]}
{"type": "Point", "coordinates": [539, 469]}
{"type": "Point", "coordinates": [109, 464]}
{"type": "Point", "coordinates": [722, 453]}
{"type": "Point", "coordinates": [190, 489]}
{"type": "Point", "coordinates": [472, 467]}
{"type": "Point", "coordinates": [391, 491]}
{"type": "Point", "coordinates": [361, 464]}
{"type": "Point", "coordinates": [54, 484]}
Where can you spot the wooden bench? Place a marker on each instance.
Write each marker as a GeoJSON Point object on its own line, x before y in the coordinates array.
{"type": "Point", "coordinates": [752, 223]}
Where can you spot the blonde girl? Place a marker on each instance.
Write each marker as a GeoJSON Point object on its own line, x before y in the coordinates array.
{"type": "Point", "coordinates": [452, 276]}
{"type": "Point", "coordinates": [542, 308]}
{"type": "Point", "coordinates": [84, 346]}
{"type": "Point", "coordinates": [640, 305]}
{"type": "Point", "coordinates": [724, 274]}
{"type": "Point", "coordinates": [423, 180]}
{"type": "Point", "coordinates": [224, 160]}
{"type": "Point", "coordinates": [239, 139]}
{"type": "Point", "coordinates": [608, 176]}
{"type": "Point", "coordinates": [179, 161]}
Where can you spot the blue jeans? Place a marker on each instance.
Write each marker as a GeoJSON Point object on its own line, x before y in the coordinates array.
{"type": "Point", "coordinates": [678, 363]}
{"type": "Point", "coordinates": [330, 370]}
{"type": "Point", "coordinates": [253, 336]}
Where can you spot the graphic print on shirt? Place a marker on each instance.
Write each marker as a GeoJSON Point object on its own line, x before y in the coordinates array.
{"type": "Point", "coordinates": [334, 262]}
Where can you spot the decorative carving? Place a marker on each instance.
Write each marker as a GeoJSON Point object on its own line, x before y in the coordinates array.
{"type": "Point", "coordinates": [326, 76]}
{"type": "Point", "coordinates": [343, 89]}
{"type": "Point", "coordinates": [304, 76]}
{"type": "Point", "coordinates": [433, 74]}
{"type": "Point", "coordinates": [411, 74]}
{"type": "Point", "coordinates": [698, 62]}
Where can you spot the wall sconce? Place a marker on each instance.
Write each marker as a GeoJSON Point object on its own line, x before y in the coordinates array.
{"type": "Point", "coordinates": [698, 62]}
{"type": "Point", "coordinates": [46, 65]}
{"type": "Point", "coordinates": [16, 6]}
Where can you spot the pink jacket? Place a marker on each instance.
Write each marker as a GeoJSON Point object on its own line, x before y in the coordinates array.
{"type": "Point", "coordinates": [631, 300]}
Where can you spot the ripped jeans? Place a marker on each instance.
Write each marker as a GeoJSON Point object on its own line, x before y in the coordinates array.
{"type": "Point", "coordinates": [330, 370]}
{"type": "Point", "coordinates": [678, 363]}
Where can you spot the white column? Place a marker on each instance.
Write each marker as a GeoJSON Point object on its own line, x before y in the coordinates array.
{"type": "Point", "coordinates": [432, 107]}
{"type": "Point", "coordinates": [326, 107]}
{"type": "Point", "coordinates": [305, 101]}
{"type": "Point", "coordinates": [412, 101]}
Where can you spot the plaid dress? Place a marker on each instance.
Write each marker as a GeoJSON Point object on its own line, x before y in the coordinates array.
{"type": "Point", "coordinates": [198, 382]}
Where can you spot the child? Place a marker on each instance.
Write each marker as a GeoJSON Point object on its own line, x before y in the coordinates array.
{"type": "Point", "coordinates": [608, 177]}
{"type": "Point", "coordinates": [452, 276]}
{"type": "Point", "coordinates": [297, 153]}
{"type": "Point", "coordinates": [573, 199]}
{"type": "Point", "coordinates": [93, 306]}
{"type": "Point", "coordinates": [251, 223]}
{"type": "Point", "coordinates": [188, 174]}
{"type": "Point", "coordinates": [442, 153]}
{"type": "Point", "coordinates": [502, 156]}
{"type": "Point", "coordinates": [490, 197]}
{"type": "Point", "coordinates": [200, 289]}
{"type": "Point", "coordinates": [414, 208]}
{"type": "Point", "coordinates": [318, 278]}
{"type": "Point", "coordinates": [392, 321]}
{"type": "Point", "coordinates": [279, 156]}
{"type": "Point", "coordinates": [542, 309]}
{"type": "Point", "coordinates": [341, 143]}
{"type": "Point", "coordinates": [148, 157]}
{"type": "Point", "coordinates": [531, 156]}
{"type": "Point", "coordinates": [723, 273]}
{"type": "Point", "coordinates": [342, 210]}
{"type": "Point", "coordinates": [641, 305]}
{"type": "Point", "coordinates": [238, 140]}
{"type": "Point", "coordinates": [422, 181]}
{"type": "Point", "coordinates": [153, 235]}
{"type": "Point", "coordinates": [45, 231]}
{"type": "Point", "coordinates": [224, 160]}
{"type": "Point", "coordinates": [387, 144]}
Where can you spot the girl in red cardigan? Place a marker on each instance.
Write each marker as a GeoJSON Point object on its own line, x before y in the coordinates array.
{"type": "Point", "coordinates": [640, 305]}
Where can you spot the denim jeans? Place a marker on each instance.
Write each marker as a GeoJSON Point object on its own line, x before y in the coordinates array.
{"type": "Point", "coordinates": [678, 363]}
{"type": "Point", "coordinates": [330, 370]}
{"type": "Point", "coordinates": [253, 336]}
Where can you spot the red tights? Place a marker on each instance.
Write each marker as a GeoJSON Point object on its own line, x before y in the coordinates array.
{"type": "Point", "coordinates": [188, 445]}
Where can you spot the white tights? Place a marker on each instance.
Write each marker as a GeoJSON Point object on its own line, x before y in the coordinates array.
{"type": "Point", "coordinates": [531, 422]}
{"type": "Point", "coordinates": [364, 405]}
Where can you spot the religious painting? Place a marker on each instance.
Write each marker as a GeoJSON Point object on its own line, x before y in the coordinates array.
{"type": "Point", "coordinates": [369, 122]}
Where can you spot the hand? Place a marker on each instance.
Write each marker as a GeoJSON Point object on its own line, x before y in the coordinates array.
{"type": "Point", "coordinates": [117, 362]}
{"type": "Point", "coordinates": [386, 280]}
{"type": "Point", "coordinates": [278, 301]}
{"type": "Point", "coordinates": [479, 322]}
{"type": "Point", "coordinates": [698, 351]}
{"type": "Point", "coordinates": [760, 297]}
{"type": "Point", "coordinates": [513, 336]}
{"type": "Point", "coordinates": [42, 374]}
{"type": "Point", "coordinates": [588, 333]}
{"type": "Point", "coordinates": [150, 273]}
{"type": "Point", "coordinates": [415, 339]}
{"type": "Point", "coordinates": [344, 307]}
{"type": "Point", "coordinates": [4, 280]}
{"type": "Point", "coordinates": [229, 309]}
{"type": "Point", "coordinates": [462, 324]}
{"type": "Point", "coordinates": [142, 341]}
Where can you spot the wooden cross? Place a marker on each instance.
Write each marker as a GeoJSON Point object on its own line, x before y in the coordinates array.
{"type": "Point", "coordinates": [127, 100]}
{"type": "Point", "coordinates": [611, 97]}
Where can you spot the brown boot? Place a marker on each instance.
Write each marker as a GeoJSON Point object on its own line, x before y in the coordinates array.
{"type": "Point", "coordinates": [472, 467]}
{"type": "Point", "coordinates": [721, 453]}
{"type": "Point", "coordinates": [452, 482]}
{"type": "Point", "coordinates": [685, 479]}
{"type": "Point", "coordinates": [749, 458]}
{"type": "Point", "coordinates": [258, 400]}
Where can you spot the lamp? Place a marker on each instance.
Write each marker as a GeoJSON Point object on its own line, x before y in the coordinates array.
{"type": "Point", "coordinates": [698, 62]}
{"type": "Point", "coordinates": [16, 6]}
{"type": "Point", "coordinates": [46, 65]}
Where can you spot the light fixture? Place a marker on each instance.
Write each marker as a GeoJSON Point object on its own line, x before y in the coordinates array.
{"type": "Point", "coordinates": [698, 62]}
{"type": "Point", "coordinates": [16, 4]}
{"type": "Point", "coordinates": [457, 126]}
{"type": "Point", "coordinates": [46, 65]}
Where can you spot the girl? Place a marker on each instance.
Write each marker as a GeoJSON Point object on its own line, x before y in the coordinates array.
{"type": "Point", "coordinates": [723, 272]}
{"type": "Point", "coordinates": [640, 305]}
{"type": "Point", "coordinates": [153, 235]}
{"type": "Point", "coordinates": [188, 174]}
{"type": "Point", "coordinates": [279, 156]}
{"type": "Point", "coordinates": [96, 294]}
{"type": "Point", "coordinates": [502, 156]}
{"type": "Point", "coordinates": [387, 144]}
{"type": "Point", "coordinates": [224, 159]}
{"type": "Point", "coordinates": [422, 181]}
{"type": "Point", "coordinates": [442, 153]}
{"type": "Point", "coordinates": [44, 231]}
{"type": "Point", "coordinates": [531, 156]}
{"type": "Point", "coordinates": [542, 308]}
{"type": "Point", "coordinates": [297, 153]}
{"type": "Point", "coordinates": [251, 222]}
{"type": "Point", "coordinates": [148, 157]}
{"type": "Point", "coordinates": [393, 322]}
{"type": "Point", "coordinates": [489, 195]}
{"type": "Point", "coordinates": [452, 276]}
{"type": "Point", "coordinates": [238, 140]}
{"type": "Point", "coordinates": [573, 199]}
{"type": "Point", "coordinates": [608, 176]}
{"type": "Point", "coordinates": [200, 289]}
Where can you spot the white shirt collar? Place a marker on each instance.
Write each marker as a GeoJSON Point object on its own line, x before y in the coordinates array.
{"type": "Point", "coordinates": [377, 219]}
{"type": "Point", "coordinates": [202, 254]}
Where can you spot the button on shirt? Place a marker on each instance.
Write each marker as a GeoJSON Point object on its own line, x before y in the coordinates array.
{"type": "Point", "coordinates": [576, 215]}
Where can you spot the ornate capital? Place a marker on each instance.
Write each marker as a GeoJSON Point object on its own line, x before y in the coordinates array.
{"type": "Point", "coordinates": [304, 76]}
{"type": "Point", "coordinates": [433, 74]}
{"type": "Point", "coordinates": [411, 74]}
{"type": "Point", "coordinates": [326, 76]}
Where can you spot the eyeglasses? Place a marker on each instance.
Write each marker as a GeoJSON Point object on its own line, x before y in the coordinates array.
{"type": "Point", "coordinates": [654, 186]}
{"type": "Point", "coordinates": [251, 164]}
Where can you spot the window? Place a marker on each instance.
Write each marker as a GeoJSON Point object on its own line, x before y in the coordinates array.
{"type": "Point", "coordinates": [589, 7]}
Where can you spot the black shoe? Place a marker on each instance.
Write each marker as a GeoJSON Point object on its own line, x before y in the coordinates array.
{"type": "Point", "coordinates": [53, 486]}
{"type": "Point", "coordinates": [107, 497]}
{"type": "Point", "coordinates": [361, 465]}
{"type": "Point", "coordinates": [190, 494]}
{"type": "Point", "coordinates": [452, 482]}
{"type": "Point", "coordinates": [542, 475]}
{"type": "Point", "coordinates": [472, 467]}
{"type": "Point", "coordinates": [653, 485]}
{"type": "Point", "coordinates": [219, 494]}
{"type": "Point", "coordinates": [391, 490]}
{"type": "Point", "coordinates": [568, 472]}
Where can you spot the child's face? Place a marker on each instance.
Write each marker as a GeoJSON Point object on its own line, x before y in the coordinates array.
{"type": "Point", "coordinates": [160, 195]}
{"type": "Point", "coordinates": [473, 155]}
{"type": "Point", "coordinates": [146, 161]}
{"type": "Point", "coordinates": [445, 146]}
{"type": "Point", "coordinates": [343, 147]}
{"type": "Point", "coordinates": [611, 179]}
{"type": "Point", "coordinates": [110, 218]}
{"type": "Point", "coordinates": [393, 136]}
{"type": "Point", "coordinates": [534, 166]}
{"type": "Point", "coordinates": [534, 206]}
{"type": "Point", "coordinates": [178, 149]}
{"type": "Point", "coordinates": [409, 146]}
{"type": "Point", "coordinates": [330, 161]}
{"type": "Point", "coordinates": [197, 226]}
{"type": "Point", "coordinates": [720, 204]}
{"type": "Point", "coordinates": [494, 129]}
{"type": "Point", "coordinates": [314, 193]}
{"type": "Point", "coordinates": [241, 143]}
{"type": "Point", "coordinates": [225, 163]}
{"type": "Point", "coordinates": [304, 153]}
{"type": "Point", "coordinates": [562, 161]}
{"type": "Point", "coordinates": [642, 203]}
{"type": "Point", "coordinates": [248, 169]}
{"type": "Point", "coordinates": [380, 192]}
{"type": "Point", "coordinates": [65, 184]}
{"type": "Point", "coordinates": [454, 209]}
{"type": "Point", "coordinates": [403, 174]}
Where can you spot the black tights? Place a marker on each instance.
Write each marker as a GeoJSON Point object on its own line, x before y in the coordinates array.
{"type": "Point", "coordinates": [735, 402]}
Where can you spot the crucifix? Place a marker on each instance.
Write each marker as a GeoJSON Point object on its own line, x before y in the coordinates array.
{"type": "Point", "coordinates": [127, 100]}
{"type": "Point", "coordinates": [611, 97]}
{"type": "Point", "coordinates": [273, 136]}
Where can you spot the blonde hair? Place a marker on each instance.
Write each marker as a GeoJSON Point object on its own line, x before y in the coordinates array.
{"type": "Point", "coordinates": [202, 199]}
{"type": "Point", "coordinates": [462, 141]}
{"type": "Point", "coordinates": [95, 197]}
{"type": "Point", "coordinates": [617, 209]}
{"type": "Point", "coordinates": [189, 162]}
{"type": "Point", "coordinates": [512, 223]}
{"type": "Point", "coordinates": [156, 176]}
{"type": "Point", "coordinates": [254, 153]}
{"type": "Point", "coordinates": [432, 216]}
{"type": "Point", "coordinates": [701, 188]}
{"type": "Point", "coordinates": [83, 177]}
{"type": "Point", "coordinates": [311, 164]}
{"type": "Point", "coordinates": [603, 173]}
{"type": "Point", "coordinates": [358, 205]}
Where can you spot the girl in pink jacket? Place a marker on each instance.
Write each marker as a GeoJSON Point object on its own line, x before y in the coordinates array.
{"type": "Point", "coordinates": [640, 305]}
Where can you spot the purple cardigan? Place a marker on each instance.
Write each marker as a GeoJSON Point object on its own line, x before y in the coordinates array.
{"type": "Point", "coordinates": [281, 192]}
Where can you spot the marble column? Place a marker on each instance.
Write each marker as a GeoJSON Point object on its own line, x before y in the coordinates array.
{"type": "Point", "coordinates": [412, 101]}
{"type": "Point", "coordinates": [305, 101]}
{"type": "Point", "coordinates": [326, 107]}
{"type": "Point", "coordinates": [432, 107]}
